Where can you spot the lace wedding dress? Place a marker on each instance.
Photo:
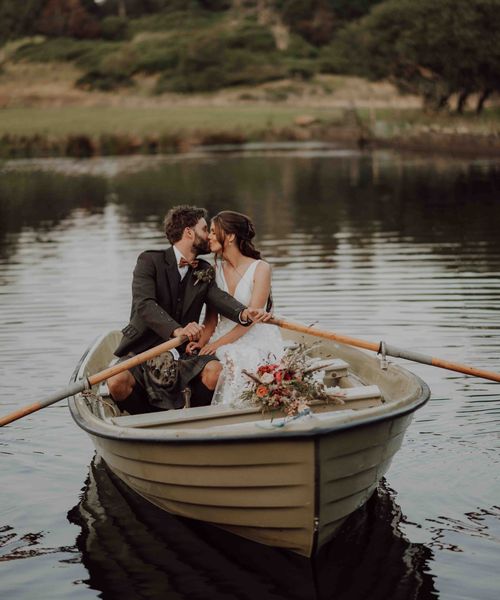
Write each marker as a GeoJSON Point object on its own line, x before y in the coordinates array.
{"type": "Point", "coordinates": [260, 344]}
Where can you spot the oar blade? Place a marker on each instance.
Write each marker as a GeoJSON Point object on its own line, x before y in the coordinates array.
{"type": "Point", "coordinates": [70, 390]}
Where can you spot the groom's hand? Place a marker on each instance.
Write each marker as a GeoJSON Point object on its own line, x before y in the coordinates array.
{"type": "Point", "coordinates": [193, 348]}
{"type": "Point", "coordinates": [192, 330]}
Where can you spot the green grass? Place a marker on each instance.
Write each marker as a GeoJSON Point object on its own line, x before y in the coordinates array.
{"type": "Point", "coordinates": [142, 121]}
{"type": "Point", "coordinates": [486, 123]}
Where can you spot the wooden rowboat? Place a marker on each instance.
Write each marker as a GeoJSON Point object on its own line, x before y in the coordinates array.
{"type": "Point", "coordinates": [288, 483]}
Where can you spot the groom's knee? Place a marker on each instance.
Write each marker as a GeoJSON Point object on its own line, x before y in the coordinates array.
{"type": "Point", "coordinates": [210, 374]}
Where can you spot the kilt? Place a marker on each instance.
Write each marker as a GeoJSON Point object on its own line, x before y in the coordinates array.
{"type": "Point", "coordinates": [167, 392]}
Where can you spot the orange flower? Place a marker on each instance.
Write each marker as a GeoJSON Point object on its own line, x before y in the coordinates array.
{"type": "Point", "coordinates": [261, 391]}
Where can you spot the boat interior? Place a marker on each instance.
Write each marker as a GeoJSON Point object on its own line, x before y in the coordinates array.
{"type": "Point", "coordinates": [358, 381]}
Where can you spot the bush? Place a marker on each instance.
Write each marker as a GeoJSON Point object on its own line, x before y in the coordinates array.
{"type": "Point", "coordinates": [223, 57]}
{"type": "Point", "coordinates": [312, 19]}
{"type": "Point", "coordinates": [207, 80]}
{"type": "Point", "coordinates": [103, 82]}
{"type": "Point", "coordinates": [157, 60]}
{"type": "Point", "coordinates": [122, 62]}
{"type": "Point", "coordinates": [115, 28]}
{"type": "Point", "coordinates": [334, 60]}
{"type": "Point", "coordinates": [85, 53]}
{"type": "Point", "coordinates": [300, 68]}
{"type": "Point", "coordinates": [175, 21]}
{"type": "Point", "coordinates": [251, 36]}
{"type": "Point", "coordinates": [299, 48]}
{"type": "Point", "coordinates": [157, 54]}
{"type": "Point", "coordinates": [215, 5]}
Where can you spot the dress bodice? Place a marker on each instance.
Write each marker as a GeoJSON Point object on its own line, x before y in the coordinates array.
{"type": "Point", "coordinates": [244, 287]}
{"type": "Point", "coordinates": [260, 343]}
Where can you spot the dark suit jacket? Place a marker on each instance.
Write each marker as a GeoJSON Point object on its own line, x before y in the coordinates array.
{"type": "Point", "coordinates": [154, 293]}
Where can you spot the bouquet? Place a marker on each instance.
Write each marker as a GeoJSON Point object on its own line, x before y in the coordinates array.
{"type": "Point", "coordinates": [290, 384]}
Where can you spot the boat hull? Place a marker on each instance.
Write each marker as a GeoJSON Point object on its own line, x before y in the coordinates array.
{"type": "Point", "coordinates": [291, 489]}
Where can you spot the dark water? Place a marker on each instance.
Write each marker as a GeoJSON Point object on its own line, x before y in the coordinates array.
{"type": "Point", "coordinates": [374, 246]}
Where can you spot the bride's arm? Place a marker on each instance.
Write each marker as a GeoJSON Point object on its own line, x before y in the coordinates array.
{"type": "Point", "coordinates": [260, 294]}
{"type": "Point", "coordinates": [209, 325]}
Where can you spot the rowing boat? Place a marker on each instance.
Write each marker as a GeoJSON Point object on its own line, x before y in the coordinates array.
{"type": "Point", "coordinates": [284, 482]}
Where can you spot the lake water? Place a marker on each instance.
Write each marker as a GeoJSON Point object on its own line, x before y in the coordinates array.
{"type": "Point", "coordinates": [375, 246]}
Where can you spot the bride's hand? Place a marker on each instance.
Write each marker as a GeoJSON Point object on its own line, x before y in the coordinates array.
{"type": "Point", "coordinates": [208, 349]}
{"type": "Point", "coordinates": [256, 315]}
{"type": "Point", "coordinates": [193, 348]}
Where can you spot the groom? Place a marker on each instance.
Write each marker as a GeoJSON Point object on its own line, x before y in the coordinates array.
{"type": "Point", "coordinates": [169, 289]}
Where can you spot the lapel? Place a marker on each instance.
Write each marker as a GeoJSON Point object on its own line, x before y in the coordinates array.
{"type": "Point", "coordinates": [172, 273]}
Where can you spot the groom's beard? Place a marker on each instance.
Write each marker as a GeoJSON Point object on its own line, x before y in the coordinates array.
{"type": "Point", "coordinates": [200, 246]}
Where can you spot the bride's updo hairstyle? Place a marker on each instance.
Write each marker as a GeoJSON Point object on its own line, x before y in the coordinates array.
{"type": "Point", "coordinates": [228, 221]}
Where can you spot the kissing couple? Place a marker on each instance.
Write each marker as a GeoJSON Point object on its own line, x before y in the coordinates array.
{"type": "Point", "coordinates": [170, 288]}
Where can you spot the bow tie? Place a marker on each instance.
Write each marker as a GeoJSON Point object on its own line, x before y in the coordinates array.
{"type": "Point", "coordinates": [186, 263]}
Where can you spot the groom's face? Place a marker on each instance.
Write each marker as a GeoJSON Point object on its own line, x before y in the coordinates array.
{"type": "Point", "coordinates": [200, 242]}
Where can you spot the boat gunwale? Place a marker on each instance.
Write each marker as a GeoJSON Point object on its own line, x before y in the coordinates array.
{"type": "Point", "coordinates": [131, 434]}
{"type": "Point", "coordinates": [189, 436]}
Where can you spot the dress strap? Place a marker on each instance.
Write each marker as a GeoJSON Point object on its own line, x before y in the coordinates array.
{"type": "Point", "coordinates": [251, 270]}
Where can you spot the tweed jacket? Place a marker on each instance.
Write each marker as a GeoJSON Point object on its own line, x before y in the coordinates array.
{"type": "Point", "coordinates": [155, 287]}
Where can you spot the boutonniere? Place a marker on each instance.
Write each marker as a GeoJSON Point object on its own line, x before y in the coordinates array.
{"type": "Point", "coordinates": [204, 275]}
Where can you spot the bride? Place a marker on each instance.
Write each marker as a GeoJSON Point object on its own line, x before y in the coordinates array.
{"type": "Point", "coordinates": [239, 271]}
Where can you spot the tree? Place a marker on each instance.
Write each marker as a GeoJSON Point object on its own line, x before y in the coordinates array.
{"type": "Point", "coordinates": [67, 18]}
{"type": "Point", "coordinates": [349, 10]}
{"type": "Point", "coordinates": [312, 19]}
{"type": "Point", "coordinates": [17, 18]}
{"type": "Point", "coordinates": [434, 49]}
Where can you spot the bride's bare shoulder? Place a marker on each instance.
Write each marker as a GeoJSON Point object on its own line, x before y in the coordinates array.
{"type": "Point", "coordinates": [263, 269]}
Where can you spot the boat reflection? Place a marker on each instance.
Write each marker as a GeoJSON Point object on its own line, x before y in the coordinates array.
{"type": "Point", "coordinates": [131, 549]}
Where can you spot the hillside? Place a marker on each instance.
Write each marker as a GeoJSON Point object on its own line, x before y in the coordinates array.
{"type": "Point", "coordinates": [170, 71]}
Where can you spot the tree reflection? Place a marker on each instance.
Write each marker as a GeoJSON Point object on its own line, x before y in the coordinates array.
{"type": "Point", "coordinates": [40, 201]}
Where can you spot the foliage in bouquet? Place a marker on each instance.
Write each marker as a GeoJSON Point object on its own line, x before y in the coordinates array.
{"type": "Point", "coordinates": [289, 384]}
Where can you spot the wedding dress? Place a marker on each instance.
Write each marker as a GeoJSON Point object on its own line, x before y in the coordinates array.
{"type": "Point", "coordinates": [260, 344]}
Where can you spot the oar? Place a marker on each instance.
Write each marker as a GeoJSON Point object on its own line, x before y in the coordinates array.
{"type": "Point", "coordinates": [386, 349]}
{"type": "Point", "coordinates": [82, 384]}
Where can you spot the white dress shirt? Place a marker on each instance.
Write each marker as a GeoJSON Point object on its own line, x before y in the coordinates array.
{"type": "Point", "coordinates": [178, 256]}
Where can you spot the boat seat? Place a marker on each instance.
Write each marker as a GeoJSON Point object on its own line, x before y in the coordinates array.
{"type": "Point", "coordinates": [206, 414]}
{"type": "Point", "coordinates": [362, 392]}
{"type": "Point", "coordinates": [333, 367]}
{"type": "Point", "coordinates": [181, 415]}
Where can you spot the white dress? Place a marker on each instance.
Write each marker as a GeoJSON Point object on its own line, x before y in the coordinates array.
{"type": "Point", "coordinates": [262, 343]}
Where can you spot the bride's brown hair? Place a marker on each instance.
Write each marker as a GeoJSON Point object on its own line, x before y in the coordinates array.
{"type": "Point", "coordinates": [229, 221]}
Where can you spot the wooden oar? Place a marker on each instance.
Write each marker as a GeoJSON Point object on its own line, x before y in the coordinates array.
{"type": "Point", "coordinates": [82, 384]}
{"type": "Point", "coordinates": [386, 349]}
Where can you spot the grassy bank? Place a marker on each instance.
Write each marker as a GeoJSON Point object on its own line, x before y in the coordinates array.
{"type": "Point", "coordinates": [94, 121]}
{"type": "Point", "coordinates": [89, 131]}
{"type": "Point", "coordinates": [43, 115]}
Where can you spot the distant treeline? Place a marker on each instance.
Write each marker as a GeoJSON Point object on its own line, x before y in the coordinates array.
{"type": "Point", "coordinates": [436, 49]}
{"type": "Point", "coordinates": [315, 20]}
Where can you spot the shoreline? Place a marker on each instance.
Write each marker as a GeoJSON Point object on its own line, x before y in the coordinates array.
{"type": "Point", "coordinates": [42, 115]}
{"type": "Point", "coordinates": [44, 145]}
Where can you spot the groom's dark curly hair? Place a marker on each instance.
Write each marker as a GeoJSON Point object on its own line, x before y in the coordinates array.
{"type": "Point", "coordinates": [180, 217]}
